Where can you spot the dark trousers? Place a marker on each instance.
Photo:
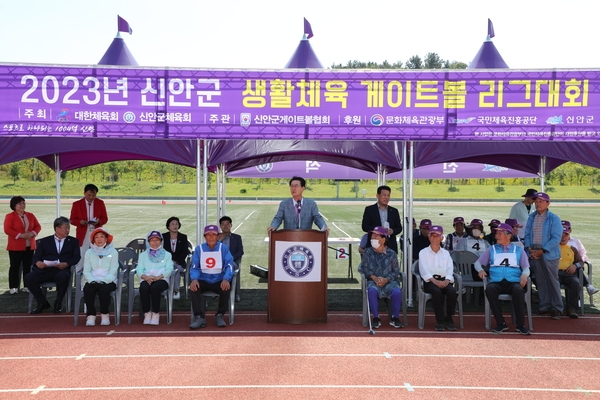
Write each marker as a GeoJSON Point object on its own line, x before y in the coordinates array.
{"type": "Point", "coordinates": [103, 290]}
{"type": "Point", "coordinates": [209, 287]}
{"type": "Point", "coordinates": [62, 278]}
{"type": "Point", "coordinates": [571, 282]}
{"type": "Point", "coordinates": [494, 289]}
{"type": "Point", "coordinates": [437, 298]}
{"type": "Point", "coordinates": [18, 258]}
{"type": "Point", "coordinates": [150, 295]}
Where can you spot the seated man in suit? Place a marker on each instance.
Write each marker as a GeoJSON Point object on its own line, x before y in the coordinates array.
{"type": "Point", "coordinates": [236, 247]}
{"type": "Point", "coordinates": [52, 262]}
{"type": "Point", "coordinates": [297, 212]}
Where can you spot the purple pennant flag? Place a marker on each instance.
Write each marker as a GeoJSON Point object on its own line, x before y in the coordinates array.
{"type": "Point", "coordinates": [307, 29]}
{"type": "Point", "coordinates": [490, 29]}
{"type": "Point", "coordinates": [124, 25]}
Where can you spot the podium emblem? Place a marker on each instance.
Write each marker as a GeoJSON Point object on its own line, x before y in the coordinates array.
{"type": "Point", "coordinates": [298, 261]}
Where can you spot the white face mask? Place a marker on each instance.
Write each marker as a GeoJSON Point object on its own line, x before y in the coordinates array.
{"type": "Point", "coordinates": [375, 243]}
{"type": "Point", "coordinates": [476, 233]}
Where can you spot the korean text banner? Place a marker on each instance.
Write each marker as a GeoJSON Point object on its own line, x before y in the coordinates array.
{"type": "Point", "coordinates": [39, 100]}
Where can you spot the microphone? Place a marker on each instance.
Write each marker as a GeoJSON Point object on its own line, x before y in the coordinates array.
{"type": "Point", "coordinates": [299, 206]}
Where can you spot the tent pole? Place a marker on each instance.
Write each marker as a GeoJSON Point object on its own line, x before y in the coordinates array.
{"type": "Point", "coordinates": [411, 170]}
{"type": "Point", "coordinates": [57, 172]}
{"type": "Point", "coordinates": [205, 190]}
{"type": "Point", "coordinates": [199, 151]}
{"type": "Point", "coordinates": [542, 173]}
{"type": "Point", "coordinates": [224, 189]}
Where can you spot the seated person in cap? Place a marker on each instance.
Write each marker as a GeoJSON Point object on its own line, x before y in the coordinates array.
{"type": "Point", "coordinates": [154, 268]}
{"type": "Point", "coordinates": [514, 224]}
{"type": "Point", "coordinates": [570, 261]}
{"type": "Point", "coordinates": [474, 242]}
{"type": "Point", "coordinates": [451, 242]}
{"type": "Point", "coordinates": [436, 269]}
{"type": "Point", "coordinates": [421, 238]}
{"type": "Point", "coordinates": [379, 265]}
{"type": "Point", "coordinates": [490, 237]}
{"type": "Point", "coordinates": [509, 269]}
{"type": "Point", "coordinates": [211, 270]}
{"type": "Point", "coordinates": [100, 273]}
{"type": "Point", "coordinates": [583, 253]}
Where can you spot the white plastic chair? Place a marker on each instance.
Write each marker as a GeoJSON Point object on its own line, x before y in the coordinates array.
{"type": "Point", "coordinates": [403, 287]}
{"type": "Point", "coordinates": [134, 291]}
{"type": "Point", "coordinates": [46, 285]}
{"type": "Point", "coordinates": [116, 295]}
{"type": "Point", "coordinates": [423, 297]}
{"type": "Point", "coordinates": [508, 297]}
{"type": "Point", "coordinates": [215, 295]}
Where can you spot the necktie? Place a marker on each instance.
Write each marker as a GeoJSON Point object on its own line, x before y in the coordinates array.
{"type": "Point", "coordinates": [59, 245]}
{"type": "Point", "coordinates": [298, 209]}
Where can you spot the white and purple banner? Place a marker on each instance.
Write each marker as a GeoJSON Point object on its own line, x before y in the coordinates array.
{"type": "Point", "coordinates": [86, 101]}
{"type": "Point", "coordinates": [323, 170]}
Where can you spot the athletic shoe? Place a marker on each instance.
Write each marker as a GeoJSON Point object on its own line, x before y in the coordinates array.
{"type": "Point", "coordinates": [376, 322]}
{"type": "Point", "coordinates": [395, 322]}
{"type": "Point", "coordinates": [523, 330]}
{"type": "Point", "coordinates": [176, 296]}
{"type": "Point", "coordinates": [220, 321]}
{"type": "Point", "coordinates": [198, 323]}
{"type": "Point", "coordinates": [571, 313]}
{"type": "Point", "coordinates": [555, 314]}
{"type": "Point", "coordinates": [450, 326]}
{"type": "Point", "coordinates": [25, 290]}
{"type": "Point", "coordinates": [90, 320]}
{"type": "Point", "coordinates": [104, 320]}
{"type": "Point", "coordinates": [440, 327]}
{"type": "Point", "coordinates": [500, 328]}
{"type": "Point", "coordinates": [13, 291]}
{"type": "Point", "coordinates": [592, 290]}
{"type": "Point", "coordinates": [147, 318]}
{"type": "Point", "coordinates": [155, 318]}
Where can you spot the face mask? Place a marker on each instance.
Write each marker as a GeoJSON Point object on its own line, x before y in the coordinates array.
{"type": "Point", "coordinates": [375, 243]}
{"type": "Point", "coordinates": [476, 233]}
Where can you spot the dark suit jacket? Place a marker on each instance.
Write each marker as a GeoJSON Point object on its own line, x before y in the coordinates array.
{"type": "Point", "coordinates": [309, 213]}
{"type": "Point", "coordinates": [181, 248]}
{"type": "Point", "coordinates": [236, 248]}
{"type": "Point", "coordinates": [79, 211]}
{"type": "Point", "coordinates": [46, 250]}
{"type": "Point", "coordinates": [371, 219]}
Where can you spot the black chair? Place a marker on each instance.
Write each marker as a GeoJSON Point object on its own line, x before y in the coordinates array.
{"type": "Point", "coordinates": [138, 245]}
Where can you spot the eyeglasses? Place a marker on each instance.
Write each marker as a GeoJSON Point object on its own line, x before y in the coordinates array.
{"type": "Point", "coordinates": [295, 186]}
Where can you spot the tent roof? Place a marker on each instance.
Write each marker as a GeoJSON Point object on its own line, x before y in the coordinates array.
{"type": "Point", "coordinates": [118, 54]}
{"type": "Point", "coordinates": [487, 57]}
{"type": "Point", "coordinates": [304, 57]}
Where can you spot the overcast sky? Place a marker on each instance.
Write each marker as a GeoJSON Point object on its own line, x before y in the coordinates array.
{"type": "Point", "coordinates": [265, 33]}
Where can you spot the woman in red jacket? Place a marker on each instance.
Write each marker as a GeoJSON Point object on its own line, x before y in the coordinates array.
{"type": "Point", "coordinates": [22, 228]}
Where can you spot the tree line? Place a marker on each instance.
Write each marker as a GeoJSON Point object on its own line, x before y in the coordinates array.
{"type": "Point", "coordinates": [429, 61]}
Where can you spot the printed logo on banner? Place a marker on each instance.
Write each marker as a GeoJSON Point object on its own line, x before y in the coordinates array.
{"type": "Point", "coordinates": [460, 120]}
{"type": "Point", "coordinates": [264, 168]}
{"type": "Point", "coordinates": [377, 120]}
{"type": "Point", "coordinates": [555, 120]}
{"type": "Point", "coordinates": [298, 261]}
{"type": "Point", "coordinates": [245, 119]}
{"type": "Point", "coordinates": [129, 117]}
{"type": "Point", "coordinates": [494, 168]}
{"type": "Point", "coordinates": [62, 116]}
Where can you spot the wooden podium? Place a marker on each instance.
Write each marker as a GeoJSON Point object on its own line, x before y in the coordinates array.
{"type": "Point", "coordinates": [297, 292]}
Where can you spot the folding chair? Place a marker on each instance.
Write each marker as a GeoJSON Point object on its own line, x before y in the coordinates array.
{"type": "Point", "coordinates": [116, 295]}
{"type": "Point", "coordinates": [508, 297]}
{"type": "Point", "coordinates": [423, 297]}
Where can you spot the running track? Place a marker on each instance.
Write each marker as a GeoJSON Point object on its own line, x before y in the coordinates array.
{"type": "Point", "coordinates": [45, 356]}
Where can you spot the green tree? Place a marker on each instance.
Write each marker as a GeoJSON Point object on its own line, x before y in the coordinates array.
{"type": "Point", "coordinates": [414, 62]}
{"type": "Point", "coordinates": [433, 61]}
{"type": "Point", "coordinates": [161, 169]}
{"type": "Point", "coordinates": [14, 172]}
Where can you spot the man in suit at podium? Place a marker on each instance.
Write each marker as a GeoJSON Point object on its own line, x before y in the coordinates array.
{"type": "Point", "coordinates": [52, 262]}
{"type": "Point", "coordinates": [382, 214]}
{"type": "Point", "coordinates": [298, 212]}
